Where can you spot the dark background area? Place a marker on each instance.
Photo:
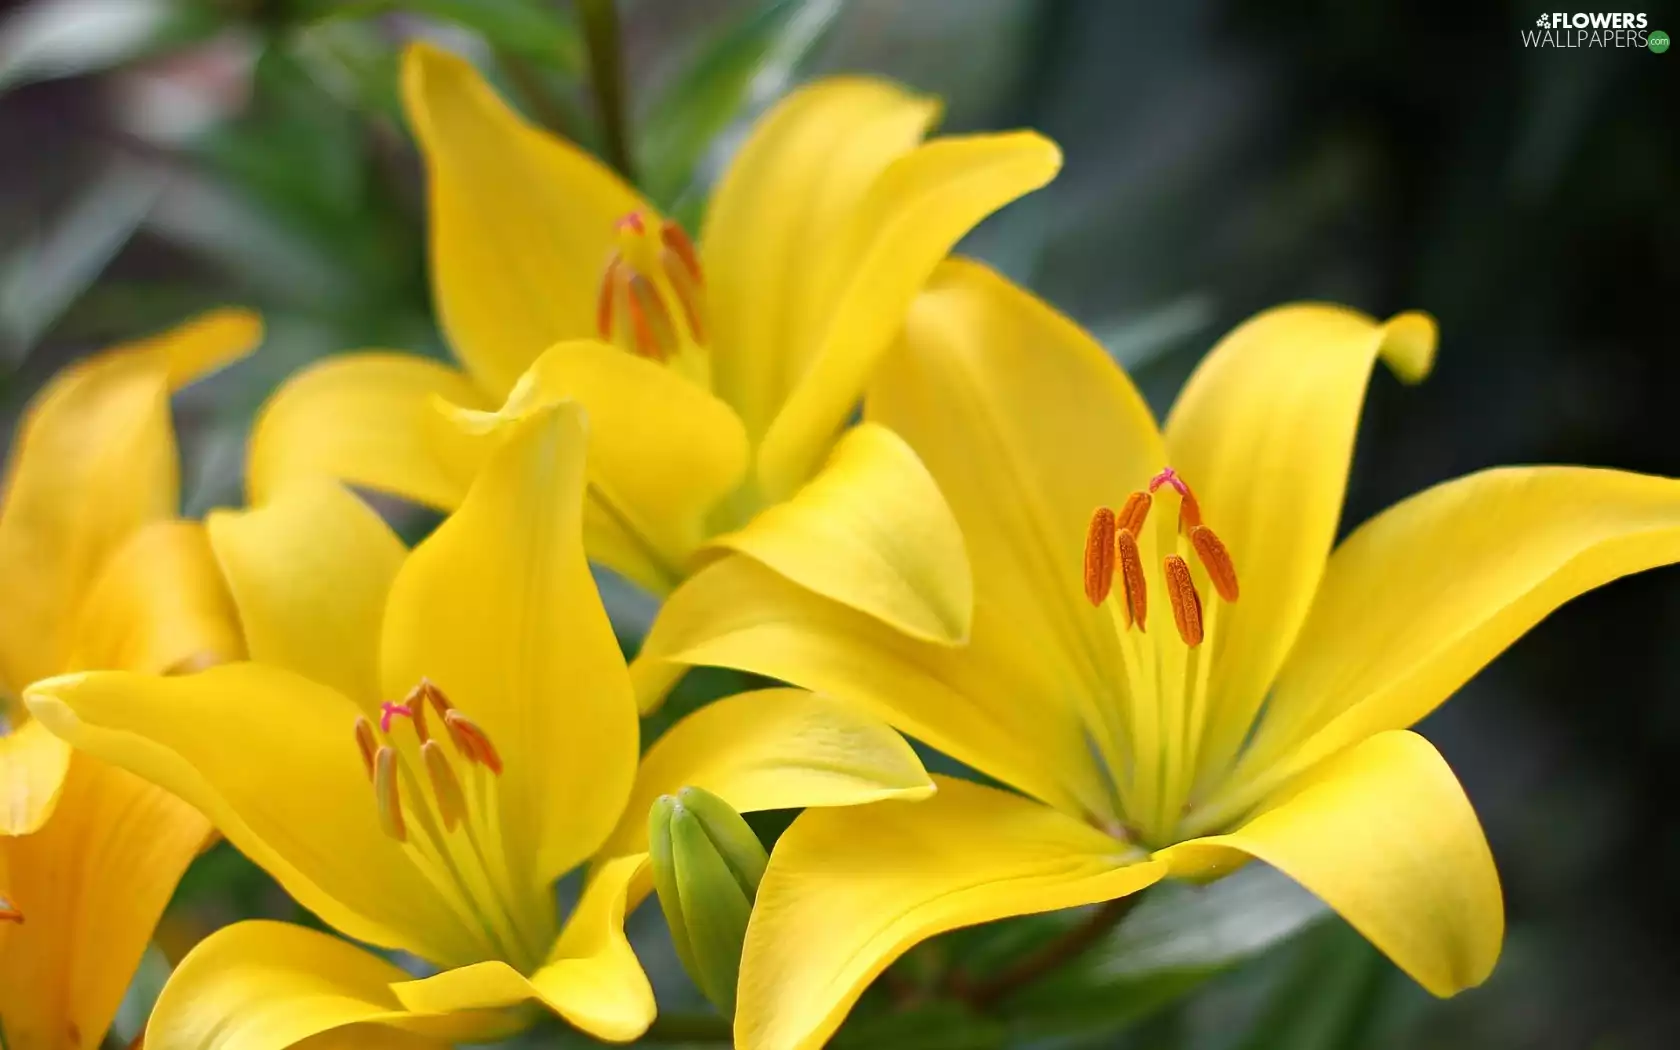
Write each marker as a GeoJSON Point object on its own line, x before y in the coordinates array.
{"type": "Point", "coordinates": [1220, 157]}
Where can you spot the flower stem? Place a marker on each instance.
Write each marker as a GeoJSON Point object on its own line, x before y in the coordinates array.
{"type": "Point", "coordinates": [606, 71]}
{"type": "Point", "coordinates": [986, 992]}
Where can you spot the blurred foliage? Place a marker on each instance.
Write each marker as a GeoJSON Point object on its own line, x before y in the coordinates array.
{"type": "Point", "coordinates": [1222, 155]}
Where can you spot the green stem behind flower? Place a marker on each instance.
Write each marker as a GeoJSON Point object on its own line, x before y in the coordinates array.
{"type": "Point", "coordinates": [606, 71]}
{"type": "Point", "coordinates": [985, 992]}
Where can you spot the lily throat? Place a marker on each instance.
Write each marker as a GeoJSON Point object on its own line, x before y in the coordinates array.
{"type": "Point", "coordinates": [652, 297]}
{"type": "Point", "coordinates": [1151, 723]}
{"type": "Point", "coordinates": [442, 804]}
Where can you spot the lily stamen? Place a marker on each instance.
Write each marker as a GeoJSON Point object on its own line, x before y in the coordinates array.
{"type": "Point", "coordinates": [1210, 550]}
{"type": "Point", "coordinates": [1135, 512]}
{"type": "Point", "coordinates": [472, 741]}
{"type": "Point", "coordinates": [652, 293]}
{"type": "Point", "coordinates": [1131, 578]}
{"type": "Point", "coordinates": [1099, 556]}
{"type": "Point", "coordinates": [9, 912]}
{"type": "Point", "coordinates": [446, 789]}
{"type": "Point", "coordinates": [1186, 603]}
{"type": "Point", "coordinates": [366, 743]}
{"type": "Point", "coordinates": [386, 793]}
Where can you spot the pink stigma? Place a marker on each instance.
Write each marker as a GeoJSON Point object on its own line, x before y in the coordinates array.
{"type": "Point", "coordinates": [388, 711]}
{"type": "Point", "coordinates": [632, 221]}
{"type": "Point", "coordinates": [1169, 476]}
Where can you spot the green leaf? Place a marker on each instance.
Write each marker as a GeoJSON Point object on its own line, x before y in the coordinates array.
{"type": "Point", "coordinates": [1179, 936]}
{"type": "Point", "coordinates": [40, 279]}
{"type": "Point", "coordinates": [746, 66]}
{"type": "Point", "coordinates": [61, 38]}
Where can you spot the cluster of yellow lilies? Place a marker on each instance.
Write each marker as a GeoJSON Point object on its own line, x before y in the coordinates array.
{"type": "Point", "coordinates": [1145, 636]}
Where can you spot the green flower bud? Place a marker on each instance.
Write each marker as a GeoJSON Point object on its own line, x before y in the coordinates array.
{"type": "Point", "coordinates": [706, 868]}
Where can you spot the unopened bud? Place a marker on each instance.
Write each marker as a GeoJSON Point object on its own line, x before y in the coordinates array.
{"type": "Point", "coordinates": [707, 864]}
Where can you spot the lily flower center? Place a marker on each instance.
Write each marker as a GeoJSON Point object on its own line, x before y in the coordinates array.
{"type": "Point", "coordinates": [652, 299]}
{"type": "Point", "coordinates": [1151, 731]}
{"type": "Point", "coordinates": [447, 815]}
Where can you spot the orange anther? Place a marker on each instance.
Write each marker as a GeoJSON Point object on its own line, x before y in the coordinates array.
{"type": "Point", "coordinates": [1186, 603]}
{"type": "Point", "coordinates": [675, 238]}
{"type": "Point", "coordinates": [631, 221]}
{"type": "Point", "coordinates": [1099, 556]}
{"type": "Point", "coordinates": [1135, 512]}
{"type": "Point", "coordinates": [1189, 511]}
{"type": "Point", "coordinates": [366, 743]}
{"type": "Point", "coordinates": [1131, 578]}
{"type": "Point", "coordinates": [452, 805]}
{"type": "Point", "coordinates": [435, 697]}
{"type": "Point", "coordinates": [604, 301]}
{"type": "Point", "coordinates": [472, 741]}
{"type": "Point", "coordinates": [1216, 560]}
{"type": "Point", "coordinates": [9, 912]}
{"type": "Point", "coordinates": [385, 791]}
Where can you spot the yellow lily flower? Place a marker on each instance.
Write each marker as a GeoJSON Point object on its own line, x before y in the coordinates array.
{"type": "Point", "coordinates": [422, 743]}
{"type": "Point", "coordinates": [717, 376]}
{"type": "Point", "coordinates": [99, 573]}
{"type": "Point", "coordinates": [1214, 684]}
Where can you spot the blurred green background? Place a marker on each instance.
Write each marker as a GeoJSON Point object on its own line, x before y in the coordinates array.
{"type": "Point", "coordinates": [161, 156]}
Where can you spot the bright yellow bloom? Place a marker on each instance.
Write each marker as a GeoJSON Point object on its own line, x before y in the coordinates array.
{"type": "Point", "coordinates": [1193, 717]}
{"type": "Point", "coordinates": [98, 572]}
{"type": "Point", "coordinates": [422, 743]}
{"type": "Point", "coordinates": [716, 377]}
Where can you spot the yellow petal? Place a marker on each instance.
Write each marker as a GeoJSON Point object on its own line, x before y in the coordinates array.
{"type": "Point", "coordinates": [662, 453]}
{"type": "Point", "coordinates": [910, 219]}
{"type": "Point", "coordinates": [91, 885]}
{"type": "Point", "coordinates": [32, 766]}
{"type": "Point", "coordinates": [871, 531]}
{"type": "Point", "coordinates": [1263, 432]}
{"type": "Point", "coordinates": [159, 606]}
{"type": "Point", "coordinates": [1424, 595]}
{"type": "Point", "coordinates": [1028, 427]}
{"type": "Point", "coordinates": [94, 460]}
{"type": "Point", "coordinates": [738, 613]}
{"type": "Point", "coordinates": [269, 985]}
{"type": "Point", "coordinates": [310, 572]}
{"type": "Point", "coordinates": [521, 222]}
{"type": "Point", "coordinates": [199, 346]}
{"type": "Point", "coordinates": [773, 749]}
{"type": "Point", "coordinates": [271, 759]}
{"type": "Point", "coordinates": [370, 419]}
{"type": "Point", "coordinates": [497, 607]}
{"type": "Point", "coordinates": [1384, 835]}
{"type": "Point", "coordinates": [773, 235]}
{"type": "Point", "coordinates": [592, 978]}
{"type": "Point", "coordinates": [850, 890]}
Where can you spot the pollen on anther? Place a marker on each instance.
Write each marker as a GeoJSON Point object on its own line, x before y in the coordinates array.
{"type": "Point", "coordinates": [472, 741]}
{"type": "Point", "coordinates": [386, 793]}
{"type": "Point", "coordinates": [676, 239]}
{"type": "Point", "coordinates": [1134, 512]}
{"type": "Point", "coordinates": [1186, 603]}
{"type": "Point", "coordinates": [445, 788]}
{"type": "Point", "coordinates": [1099, 556]}
{"type": "Point", "coordinates": [1131, 579]}
{"type": "Point", "coordinates": [608, 294]}
{"type": "Point", "coordinates": [366, 744]}
{"type": "Point", "coordinates": [1210, 550]}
